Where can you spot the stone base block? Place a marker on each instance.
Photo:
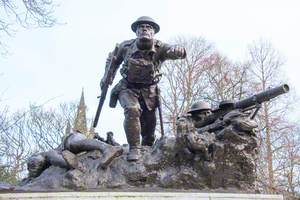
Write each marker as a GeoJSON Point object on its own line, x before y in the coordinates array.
{"type": "Point", "coordinates": [137, 196]}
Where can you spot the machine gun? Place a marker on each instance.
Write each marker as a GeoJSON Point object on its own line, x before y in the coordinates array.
{"type": "Point", "coordinates": [108, 78]}
{"type": "Point", "coordinates": [250, 103]}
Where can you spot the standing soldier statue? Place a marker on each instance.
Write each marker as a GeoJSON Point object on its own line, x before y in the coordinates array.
{"type": "Point", "coordinates": [137, 91]}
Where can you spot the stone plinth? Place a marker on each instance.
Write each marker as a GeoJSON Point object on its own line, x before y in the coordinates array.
{"type": "Point", "coordinates": [138, 195]}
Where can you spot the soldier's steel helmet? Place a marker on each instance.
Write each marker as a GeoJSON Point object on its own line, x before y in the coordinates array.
{"type": "Point", "coordinates": [198, 106]}
{"type": "Point", "coordinates": [145, 20]}
{"type": "Point", "coordinates": [109, 133]}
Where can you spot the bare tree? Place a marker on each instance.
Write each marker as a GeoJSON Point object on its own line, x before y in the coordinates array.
{"type": "Point", "coordinates": [275, 128]}
{"type": "Point", "coordinates": [289, 161]}
{"type": "Point", "coordinates": [47, 126]}
{"type": "Point", "coordinates": [183, 79]}
{"type": "Point", "coordinates": [25, 13]}
{"type": "Point", "coordinates": [225, 80]}
{"type": "Point", "coordinates": [5, 175]}
{"type": "Point", "coordinates": [17, 146]}
{"type": "Point", "coordinates": [28, 132]}
{"type": "Point", "coordinates": [203, 75]}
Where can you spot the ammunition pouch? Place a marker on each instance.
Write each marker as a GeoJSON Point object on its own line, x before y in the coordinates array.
{"type": "Point", "coordinates": [114, 94]}
{"type": "Point", "coordinates": [140, 71]}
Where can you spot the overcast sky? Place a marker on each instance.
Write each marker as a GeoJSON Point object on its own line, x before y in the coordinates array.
{"type": "Point", "coordinates": [55, 64]}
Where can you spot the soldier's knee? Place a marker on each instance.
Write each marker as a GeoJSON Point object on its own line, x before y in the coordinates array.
{"type": "Point", "coordinates": [49, 155]}
{"type": "Point", "coordinates": [75, 146]}
{"type": "Point", "coordinates": [132, 111]}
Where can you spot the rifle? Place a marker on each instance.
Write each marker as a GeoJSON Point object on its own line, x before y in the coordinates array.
{"type": "Point", "coordinates": [250, 103]}
{"type": "Point", "coordinates": [108, 78]}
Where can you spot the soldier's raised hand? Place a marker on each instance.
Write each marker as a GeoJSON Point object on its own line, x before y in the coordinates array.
{"type": "Point", "coordinates": [102, 83]}
{"type": "Point", "coordinates": [176, 52]}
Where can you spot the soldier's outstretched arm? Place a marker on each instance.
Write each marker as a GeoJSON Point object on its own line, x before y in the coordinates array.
{"type": "Point", "coordinates": [172, 52]}
{"type": "Point", "coordinates": [176, 52]}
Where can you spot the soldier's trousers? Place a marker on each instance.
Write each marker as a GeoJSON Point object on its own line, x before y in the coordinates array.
{"type": "Point", "coordinates": [138, 119]}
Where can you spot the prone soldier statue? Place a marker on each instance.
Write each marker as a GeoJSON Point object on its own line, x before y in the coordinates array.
{"type": "Point", "coordinates": [65, 155]}
{"type": "Point", "coordinates": [137, 91]}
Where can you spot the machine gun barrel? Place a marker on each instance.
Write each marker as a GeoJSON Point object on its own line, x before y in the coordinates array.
{"type": "Point", "coordinates": [262, 97]}
{"type": "Point", "coordinates": [249, 102]}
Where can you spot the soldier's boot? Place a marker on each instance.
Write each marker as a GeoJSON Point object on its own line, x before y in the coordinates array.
{"type": "Point", "coordinates": [72, 161]}
{"type": "Point", "coordinates": [134, 154]}
{"type": "Point", "coordinates": [134, 148]}
{"type": "Point", "coordinates": [109, 153]}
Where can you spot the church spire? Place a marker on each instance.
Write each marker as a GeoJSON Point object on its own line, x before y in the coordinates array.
{"type": "Point", "coordinates": [92, 130]}
{"type": "Point", "coordinates": [80, 119]}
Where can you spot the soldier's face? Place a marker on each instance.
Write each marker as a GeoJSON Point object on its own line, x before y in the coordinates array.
{"type": "Point", "coordinates": [145, 31]}
{"type": "Point", "coordinates": [110, 135]}
{"type": "Point", "coordinates": [202, 115]}
{"type": "Point", "coordinates": [35, 165]}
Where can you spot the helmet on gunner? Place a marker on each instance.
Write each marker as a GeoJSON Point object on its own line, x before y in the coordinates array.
{"type": "Point", "coordinates": [199, 106]}
{"type": "Point", "coordinates": [145, 20]}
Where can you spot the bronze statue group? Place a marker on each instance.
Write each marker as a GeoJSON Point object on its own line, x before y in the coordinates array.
{"type": "Point", "coordinates": [138, 94]}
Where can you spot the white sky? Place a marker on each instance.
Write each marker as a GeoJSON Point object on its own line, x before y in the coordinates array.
{"type": "Point", "coordinates": [58, 62]}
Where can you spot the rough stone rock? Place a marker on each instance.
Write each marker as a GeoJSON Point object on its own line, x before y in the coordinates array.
{"type": "Point", "coordinates": [165, 165]}
{"type": "Point", "coordinates": [5, 186]}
